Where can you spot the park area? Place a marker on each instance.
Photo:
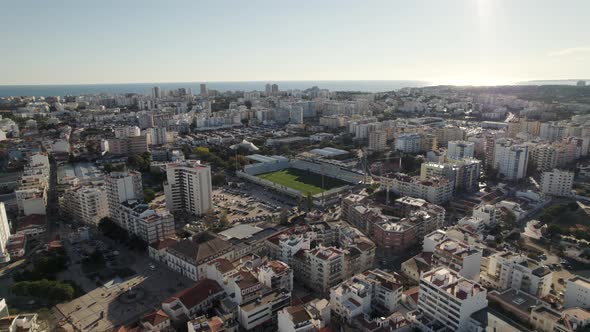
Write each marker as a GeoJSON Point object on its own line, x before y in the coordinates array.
{"type": "Point", "coordinates": [303, 181]}
{"type": "Point", "coordinates": [567, 218]}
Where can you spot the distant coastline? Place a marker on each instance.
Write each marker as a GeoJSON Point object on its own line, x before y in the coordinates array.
{"type": "Point", "coordinates": [145, 88]}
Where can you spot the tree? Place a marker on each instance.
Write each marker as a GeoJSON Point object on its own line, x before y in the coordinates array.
{"type": "Point", "coordinates": [554, 230]}
{"type": "Point", "coordinates": [218, 179]}
{"type": "Point", "coordinates": [201, 151]}
{"type": "Point", "coordinates": [509, 219]}
{"type": "Point", "coordinates": [248, 104]}
{"type": "Point", "coordinates": [148, 195]}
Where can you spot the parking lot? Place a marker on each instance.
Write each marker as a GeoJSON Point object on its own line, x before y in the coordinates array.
{"type": "Point", "coordinates": [249, 205]}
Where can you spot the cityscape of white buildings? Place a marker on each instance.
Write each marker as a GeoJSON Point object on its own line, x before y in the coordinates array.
{"type": "Point", "coordinates": [437, 179]}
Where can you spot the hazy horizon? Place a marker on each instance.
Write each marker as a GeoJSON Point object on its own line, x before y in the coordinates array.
{"type": "Point", "coordinates": [459, 42]}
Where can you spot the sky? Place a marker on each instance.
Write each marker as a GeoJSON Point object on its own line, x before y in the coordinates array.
{"type": "Point", "coordinates": [443, 42]}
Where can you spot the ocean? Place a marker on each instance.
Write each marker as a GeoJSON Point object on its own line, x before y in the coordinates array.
{"type": "Point", "coordinates": [145, 88]}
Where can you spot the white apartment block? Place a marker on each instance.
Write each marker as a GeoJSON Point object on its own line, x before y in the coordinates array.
{"type": "Point", "coordinates": [366, 293]}
{"type": "Point", "coordinates": [507, 270]}
{"type": "Point", "coordinates": [147, 224]}
{"type": "Point", "coordinates": [128, 131]}
{"type": "Point", "coordinates": [321, 268]}
{"type": "Point", "coordinates": [557, 183]}
{"type": "Point", "coordinates": [159, 136]}
{"type": "Point", "coordinates": [458, 150]}
{"type": "Point", "coordinates": [460, 257]}
{"type": "Point", "coordinates": [446, 299]}
{"type": "Point", "coordinates": [31, 194]}
{"type": "Point", "coordinates": [121, 187]}
{"type": "Point", "coordinates": [87, 205]}
{"type": "Point", "coordinates": [463, 173]}
{"type": "Point", "coordinates": [378, 140]}
{"type": "Point", "coordinates": [486, 212]}
{"type": "Point", "coordinates": [577, 293]}
{"type": "Point", "coordinates": [4, 234]}
{"type": "Point", "coordinates": [409, 143]}
{"type": "Point", "coordinates": [431, 189]}
{"type": "Point", "coordinates": [510, 159]}
{"type": "Point", "coordinates": [262, 309]}
{"type": "Point", "coordinates": [188, 187]}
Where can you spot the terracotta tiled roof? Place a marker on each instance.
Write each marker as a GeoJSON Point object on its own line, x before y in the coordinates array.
{"type": "Point", "coordinates": [156, 318]}
{"type": "Point", "coordinates": [196, 294]}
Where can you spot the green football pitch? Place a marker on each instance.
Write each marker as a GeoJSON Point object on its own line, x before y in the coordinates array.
{"type": "Point", "coordinates": [302, 181]}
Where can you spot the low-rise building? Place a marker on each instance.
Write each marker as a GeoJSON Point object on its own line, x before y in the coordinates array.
{"type": "Point", "coordinates": [263, 309]}
{"type": "Point", "coordinates": [193, 301]}
{"type": "Point", "coordinates": [189, 257]}
{"type": "Point", "coordinates": [371, 292]}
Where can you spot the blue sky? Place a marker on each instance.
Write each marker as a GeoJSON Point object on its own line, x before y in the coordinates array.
{"type": "Point", "coordinates": [451, 41]}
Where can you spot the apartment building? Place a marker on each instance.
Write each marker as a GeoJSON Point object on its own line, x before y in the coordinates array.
{"type": "Point", "coordinates": [446, 299]}
{"type": "Point", "coordinates": [263, 309]}
{"type": "Point", "coordinates": [86, 204]}
{"type": "Point", "coordinates": [128, 146]}
{"type": "Point", "coordinates": [127, 131]}
{"type": "Point", "coordinates": [432, 189]}
{"type": "Point", "coordinates": [409, 142]}
{"type": "Point", "coordinates": [459, 257]}
{"type": "Point", "coordinates": [188, 187]}
{"type": "Point", "coordinates": [458, 150]}
{"type": "Point", "coordinates": [320, 268]}
{"type": "Point", "coordinates": [371, 292]}
{"type": "Point", "coordinates": [121, 187]}
{"type": "Point", "coordinates": [508, 270]}
{"type": "Point", "coordinates": [463, 173]}
{"type": "Point", "coordinates": [447, 134]}
{"type": "Point", "coordinates": [150, 225]}
{"type": "Point", "coordinates": [577, 293]}
{"type": "Point", "coordinates": [557, 183]}
{"type": "Point", "coordinates": [4, 235]}
{"type": "Point", "coordinates": [31, 193]}
{"type": "Point", "coordinates": [510, 159]}
{"type": "Point", "coordinates": [377, 140]}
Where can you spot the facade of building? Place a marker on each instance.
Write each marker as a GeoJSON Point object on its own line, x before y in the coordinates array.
{"type": "Point", "coordinates": [377, 140]}
{"type": "Point", "coordinates": [409, 143]}
{"type": "Point", "coordinates": [463, 173]}
{"type": "Point", "coordinates": [188, 187]}
{"type": "Point", "coordinates": [458, 150]}
{"type": "Point", "coordinates": [511, 160]}
{"type": "Point", "coordinates": [557, 183]}
{"type": "Point", "coordinates": [189, 257]}
{"type": "Point", "coordinates": [121, 187]}
{"type": "Point", "coordinates": [446, 299]}
{"type": "Point", "coordinates": [577, 293]}
{"type": "Point", "coordinates": [507, 270]}
{"type": "Point", "coordinates": [373, 291]}
{"type": "Point", "coordinates": [4, 234]}
{"type": "Point", "coordinates": [128, 146]}
{"type": "Point", "coordinates": [433, 190]}
{"type": "Point", "coordinates": [150, 225]}
{"type": "Point", "coordinates": [87, 205]}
